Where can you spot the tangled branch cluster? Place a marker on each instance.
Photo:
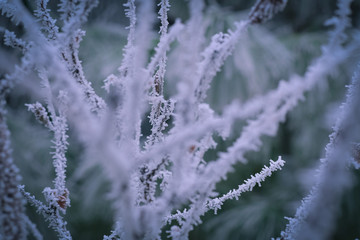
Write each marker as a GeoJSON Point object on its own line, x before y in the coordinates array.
{"type": "Point", "coordinates": [154, 176]}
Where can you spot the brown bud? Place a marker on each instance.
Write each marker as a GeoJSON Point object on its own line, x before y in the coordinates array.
{"type": "Point", "coordinates": [192, 148]}
{"type": "Point", "coordinates": [62, 199]}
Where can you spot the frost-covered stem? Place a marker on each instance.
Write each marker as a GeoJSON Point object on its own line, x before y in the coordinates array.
{"type": "Point", "coordinates": [158, 83]}
{"type": "Point", "coordinates": [11, 40]}
{"type": "Point", "coordinates": [158, 78]}
{"type": "Point", "coordinates": [143, 43]}
{"type": "Point", "coordinates": [41, 114]}
{"type": "Point", "coordinates": [187, 217]}
{"type": "Point", "coordinates": [60, 145]}
{"type": "Point", "coordinates": [147, 181]}
{"type": "Point", "coordinates": [67, 8]}
{"type": "Point", "coordinates": [341, 22]}
{"type": "Point", "coordinates": [70, 55]}
{"type": "Point", "coordinates": [49, 98]}
{"type": "Point", "coordinates": [164, 8]}
{"type": "Point", "coordinates": [160, 73]}
{"type": "Point", "coordinates": [57, 198]}
{"type": "Point", "coordinates": [163, 46]}
{"type": "Point", "coordinates": [222, 45]}
{"type": "Point", "coordinates": [47, 22]}
{"type": "Point", "coordinates": [190, 46]}
{"type": "Point", "coordinates": [50, 212]}
{"type": "Point", "coordinates": [127, 65]}
{"type": "Point", "coordinates": [264, 10]}
{"type": "Point", "coordinates": [12, 210]}
{"type": "Point", "coordinates": [124, 84]}
{"type": "Point", "coordinates": [159, 115]}
{"type": "Point", "coordinates": [214, 56]}
{"type": "Point", "coordinates": [316, 216]}
{"type": "Point", "coordinates": [132, 87]}
{"type": "Point", "coordinates": [58, 125]}
{"type": "Point", "coordinates": [249, 184]}
{"type": "Point", "coordinates": [60, 162]}
{"type": "Point", "coordinates": [165, 110]}
{"type": "Point", "coordinates": [161, 109]}
{"type": "Point", "coordinates": [75, 13]}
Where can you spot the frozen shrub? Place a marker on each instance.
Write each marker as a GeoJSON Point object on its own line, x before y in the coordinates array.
{"type": "Point", "coordinates": [160, 180]}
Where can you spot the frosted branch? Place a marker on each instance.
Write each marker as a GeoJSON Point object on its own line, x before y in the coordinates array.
{"type": "Point", "coordinates": [214, 56]}
{"type": "Point", "coordinates": [164, 8]}
{"type": "Point", "coordinates": [67, 9]}
{"type": "Point", "coordinates": [60, 146]}
{"type": "Point", "coordinates": [58, 125]}
{"type": "Point", "coordinates": [315, 216]}
{"type": "Point", "coordinates": [248, 186]}
{"type": "Point", "coordinates": [333, 177]}
{"type": "Point", "coordinates": [9, 10]}
{"type": "Point", "coordinates": [163, 46]}
{"type": "Point", "coordinates": [47, 22]}
{"type": "Point", "coordinates": [70, 55]}
{"type": "Point", "coordinates": [161, 109]}
{"type": "Point", "coordinates": [190, 217]}
{"type": "Point", "coordinates": [50, 212]}
{"type": "Point", "coordinates": [41, 114]}
{"type": "Point", "coordinates": [222, 45]}
{"type": "Point", "coordinates": [126, 68]}
{"type": "Point", "coordinates": [340, 22]}
{"type": "Point", "coordinates": [160, 114]}
{"type": "Point", "coordinates": [11, 40]}
{"type": "Point", "coordinates": [75, 13]}
{"type": "Point", "coordinates": [188, 52]}
{"type": "Point", "coordinates": [264, 10]}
